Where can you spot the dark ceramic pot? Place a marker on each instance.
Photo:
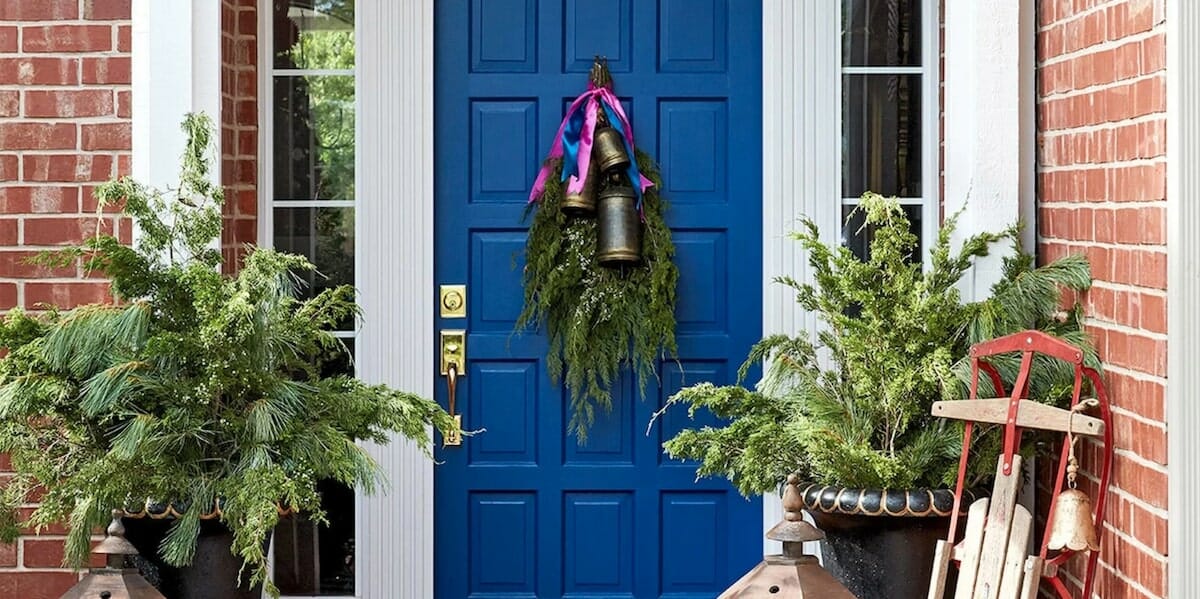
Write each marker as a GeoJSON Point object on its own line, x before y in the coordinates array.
{"type": "Point", "coordinates": [880, 543]}
{"type": "Point", "coordinates": [214, 571]}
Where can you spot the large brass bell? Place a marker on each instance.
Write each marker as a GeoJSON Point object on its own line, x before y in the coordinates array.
{"type": "Point", "coordinates": [1074, 527]}
{"type": "Point", "coordinates": [584, 202]}
{"type": "Point", "coordinates": [608, 149]}
{"type": "Point", "coordinates": [619, 234]}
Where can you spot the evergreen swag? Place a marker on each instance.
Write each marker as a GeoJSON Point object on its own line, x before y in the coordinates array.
{"type": "Point", "coordinates": [852, 408]}
{"type": "Point", "coordinates": [598, 319]}
{"type": "Point", "coordinates": [196, 388]}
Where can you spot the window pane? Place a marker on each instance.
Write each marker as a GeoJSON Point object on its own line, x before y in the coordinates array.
{"type": "Point", "coordinates": [317, 559]}
{"type": "Point", "coordinates": [314, 34]}
{"type": "Point", "coordinates": [325, 236]}
{"type": "Point", "coordinates": [880, 33]}
{"type": "Point", "coordinates": [881, 135]}
{"type": "Point", "coordinates": [314, 138]}
{"type": "Point", "coordinates": [858, 238]}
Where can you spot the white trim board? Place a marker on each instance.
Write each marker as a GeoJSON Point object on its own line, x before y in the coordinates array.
{"type": "Point", "coordinates": [1183, 291]}
{"type": "Point", "coordinates": [176, 69]}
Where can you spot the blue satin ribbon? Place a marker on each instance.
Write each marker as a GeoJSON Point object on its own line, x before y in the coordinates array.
{"type": "Point", "coordinates": [571, 134]}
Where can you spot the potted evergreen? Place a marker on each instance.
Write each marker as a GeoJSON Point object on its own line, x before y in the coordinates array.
{"type": "Point", "coordinates": [198, 393]}
{"type": "Point", "coordinates": [849, 411]}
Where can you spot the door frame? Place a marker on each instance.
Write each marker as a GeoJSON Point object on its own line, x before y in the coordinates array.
{"type": "Point", "coordinates": [395, 161]}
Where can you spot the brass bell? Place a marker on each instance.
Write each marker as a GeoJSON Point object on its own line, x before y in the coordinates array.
{"type": "Point", "coordinates": [584, 202]}
{"type": "Point", "coordinates": [608, 149]}
{"type": "Point", "coordinates": [1074, 527]}
{"type": "Point", "coordinates": [619, 234]}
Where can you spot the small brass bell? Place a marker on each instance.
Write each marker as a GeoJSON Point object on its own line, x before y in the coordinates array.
{"type": "Point", "coordinates": [1074, 526]}
{"type": "Point", "coordinates": [608, 149]}
{"type": "Point", "coordinates": [619, 234]}
{"type": "Point", "coordinates": [584, 202]}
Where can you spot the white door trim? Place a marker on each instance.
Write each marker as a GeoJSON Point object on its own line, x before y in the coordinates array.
{"type": "Point", "coordinates": [394, 178]}
{"type": "Point", "coordinates": [1183, 291]}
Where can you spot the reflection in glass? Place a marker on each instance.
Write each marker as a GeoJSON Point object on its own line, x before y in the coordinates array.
{"type": "Point", "coordinates": [880, 33]}
{"type": "Point", "coordinates": [314, 138]}
{"type": "Point", "coordinates": [857, 236]}
{"type": "Point", "coordinates": [325, 236]}
{"type": "Point", "coordinates": [314, 34]}
{"type": "Point", "coordinates": [314, 559]}
{"type": "Point", "coordinates": [881, 135]}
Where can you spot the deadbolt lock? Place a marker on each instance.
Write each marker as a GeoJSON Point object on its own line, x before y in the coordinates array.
{"type": "Point", "coordinates": [452, 301]}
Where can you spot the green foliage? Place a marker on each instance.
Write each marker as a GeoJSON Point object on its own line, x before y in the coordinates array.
{"type": "Point", "coordinates": [194, 386]}
{"type": "Point", "coordinates": [598, 319]}
{"type": "Point", "coordinates": [852, 407]}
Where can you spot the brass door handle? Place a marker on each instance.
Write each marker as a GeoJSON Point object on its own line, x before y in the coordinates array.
{"type": "Point", "coordinates": [453, 438]}
{"type": "Point", "coordinates": [454, 353]}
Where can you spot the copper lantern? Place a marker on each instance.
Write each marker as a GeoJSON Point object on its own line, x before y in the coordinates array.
{"type": "Point", "coordinates": [792, 574]}
{"type": "Point", "coordinates": [114, 580]}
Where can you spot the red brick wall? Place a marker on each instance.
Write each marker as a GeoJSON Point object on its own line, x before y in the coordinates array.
{"type": "Point", "coordinates": [1102, 180]}
{"type": "Point", "coordinates": [64, 127]}
{"type": "Point", "coordinates": [239, 127]}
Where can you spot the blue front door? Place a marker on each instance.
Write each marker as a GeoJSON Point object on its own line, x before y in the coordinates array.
{"type": "Point", "coordinates": [522, 510]}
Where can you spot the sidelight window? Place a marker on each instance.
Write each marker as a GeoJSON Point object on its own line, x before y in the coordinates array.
{"type": "Point", "coordinates": [307, 190]}
{"type": "Point", "coordinates": [890, 111]}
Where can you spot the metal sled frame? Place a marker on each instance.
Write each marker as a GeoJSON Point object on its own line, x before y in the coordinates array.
{"type": "Point", "coordinates": [992, 556]}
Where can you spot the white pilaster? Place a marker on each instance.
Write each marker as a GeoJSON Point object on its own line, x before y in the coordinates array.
{"type": "Point", "coordinates": [989, 135]}
{"type": "Point", "coordinates": [801, 149]}
{"type": "Point", "coordinates": [394, 183]}
{"type": "Point", "coordinates": [176, 69]}
{"type": "Point", "coordinates": [1183, 293]}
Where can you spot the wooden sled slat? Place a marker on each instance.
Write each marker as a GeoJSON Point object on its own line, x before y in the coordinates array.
{"type": "Point", "coordinates": [1033, 577]}
{"type": "Point", "coordinates": [996, 533]}
{"type": "Point", "coordinates": [1030, 414]}
{"type": "Point", "coordinates": [941, 569]}
{"type": "Point", "coordinates": [1014, 557]}
{"type": "Point", "coordinates": [970, 547]}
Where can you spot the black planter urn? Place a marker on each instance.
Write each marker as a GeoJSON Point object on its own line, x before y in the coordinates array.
{"type": "Point", "coordinates": [214, 571]}
{"type": "Point", "coordinates": [879, 543]}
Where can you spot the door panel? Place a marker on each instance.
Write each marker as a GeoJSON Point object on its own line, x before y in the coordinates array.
{"type": "Point", "coordinates": [523, 510]}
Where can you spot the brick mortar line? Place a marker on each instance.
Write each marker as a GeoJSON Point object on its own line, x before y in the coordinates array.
{"type": "Point", "coordinates": [1090, 243]}
{"type": "Point", "coordinates": [1106, 125]}
{"type": "Point", "coordinates": [1132, 415]}
{"type": "Point", "coordinates": [1127, 495]}
{"type": "Point", "coordinates": [1138, 375]}
{"type": "Point", "coordinates": [1084, 166]}
{"type": "Point", "coordinates": [1045, 98]}
{"type": "Point", "coordinates": [1149, 551]}
{"type": "Point", "coordinates": [1083, 13]}
{"type": "Point", "coordinates": [1120, 328]}
{"type": "Point", "coordinates": [1141, 460]}
{"type": "Point", "coordinates": [1160, 293]}
{"type": "Point", "coordinates": [1107, 44]}
{"type": "Point", "coordinates": [1134, 204]}
{"type": "Point", "coordinates": [79, 21]}
{"type": "Point", "coordinates": [1150, 248]}
{"type": "Point", "coordinates": [1123, 577]}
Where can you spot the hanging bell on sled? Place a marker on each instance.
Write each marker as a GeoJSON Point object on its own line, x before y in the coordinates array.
{"type": "Point", "coordinates": [1074, 528]}
{"type": "Point", "coordinates": [584, 202]}
{"type": "Point", "coordinates": [608, 149]}
{"type": "Point", "coordinates": [619, 234]}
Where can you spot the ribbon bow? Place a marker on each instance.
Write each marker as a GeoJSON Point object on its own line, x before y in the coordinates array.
{"type": "Point", "coordinates": [573, 142]}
